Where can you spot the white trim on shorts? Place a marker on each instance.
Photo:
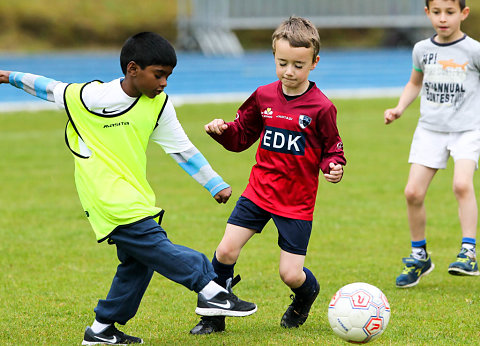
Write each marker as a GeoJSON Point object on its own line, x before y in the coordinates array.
{"type": "Point", "coordinates": [432, 148]}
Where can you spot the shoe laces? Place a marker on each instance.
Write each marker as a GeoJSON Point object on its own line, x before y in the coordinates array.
{"type": "Point", "coordinates": [298, 305]}
{"type": "Point", "coordinates": [466, 253]}
{"type": "Point", "coordinates": [112, 330]}
{"type": "Point", "coordinates": [407, 269]}
{"type": "Point", "coordinates": [411, 264]}
{"type": "Point", "coordinates": [231, 282]}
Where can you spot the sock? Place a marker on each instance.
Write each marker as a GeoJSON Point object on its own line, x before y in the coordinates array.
{"type": "Point", "coordinates": [98, 327]}
{"type": "Point", "coordinates": [419, 249]}
{"type": "Point", "coordinates": [469, 244]}
{"type": "Point", "coordinates": [211, 290]}
{"type": "Point", "coordinates": [308, 286]}
{"type": "Point", "coordinates": [223, 271]}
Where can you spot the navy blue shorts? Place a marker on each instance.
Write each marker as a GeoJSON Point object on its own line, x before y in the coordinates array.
{"type": "Point", "coordinates": [293, 235]}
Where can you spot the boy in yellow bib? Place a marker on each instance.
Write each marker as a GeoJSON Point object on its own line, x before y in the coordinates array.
{"type": "Point", "coordinates": [109, 127]}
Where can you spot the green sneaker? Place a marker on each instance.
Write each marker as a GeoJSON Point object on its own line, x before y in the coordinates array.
{"type": "Point", "coordinates": [466, 264]}
{"type": "Point", "coordinates": [413, 271]}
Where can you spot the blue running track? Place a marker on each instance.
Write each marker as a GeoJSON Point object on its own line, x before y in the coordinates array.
{"type": "Point", "coordinates": [202, 78]}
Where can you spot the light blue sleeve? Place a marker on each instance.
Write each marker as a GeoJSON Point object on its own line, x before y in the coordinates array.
{"type": "Point", "coordinates": [194, 163]}
{"type": "Point", "coordinates": [39, 86]}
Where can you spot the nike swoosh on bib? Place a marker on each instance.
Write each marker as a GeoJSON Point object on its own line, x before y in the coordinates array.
{"type": "Point", "coordinates": [104, 111]}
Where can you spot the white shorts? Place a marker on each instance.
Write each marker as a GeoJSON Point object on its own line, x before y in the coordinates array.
{"type": "Point", "coordinates": [432, 149]}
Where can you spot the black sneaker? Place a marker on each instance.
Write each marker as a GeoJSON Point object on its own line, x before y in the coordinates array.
{"type": "Point", "coordinates": [297, 312]}
{"type": "Point", "coordinates": [209, 325]}
{"type": "Point", "coordinates": [225, 303]}
{"type": "Point", "coordinates": [214, 324]}
{"type": "Point", "coordinates": [110, 336]}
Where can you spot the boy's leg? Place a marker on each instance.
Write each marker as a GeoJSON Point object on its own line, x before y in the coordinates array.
{"type": "Point", "coordinates": [466, 263]}
{"type": "Point", "coordinates": [419, 179]}
{"type": "Point", "coordinates": [148, 243]}
{"type": "Point", "coordinates": [465, 194]}
{"type": "Point", "coordinates": [147, 249]}
{"type": "Point", "coordinates": [419, 263]}
{"type": "Point", "coordinates": [234, 239]}
{"type": "Point", "coordinates": [223, 262]}
{"type": "Point", "coordinates": [293, 239]}
{"type": "Point", "coordinates": [141, 249]}
{"type": "Point", "coordinates": [303, 284]}
{"type": "Point", "coordinates": [127, 289]}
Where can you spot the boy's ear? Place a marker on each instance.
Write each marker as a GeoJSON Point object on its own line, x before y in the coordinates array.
{"type": "Point", "coordinates": [465, 13]}
{"type": "Point", "coordinates": [315, 61]}
{"type": "Point", "coordinates": [132, 68]}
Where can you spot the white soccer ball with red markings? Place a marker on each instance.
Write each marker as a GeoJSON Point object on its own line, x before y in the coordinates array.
{"type": "Point", "coordinates": [359, 312]}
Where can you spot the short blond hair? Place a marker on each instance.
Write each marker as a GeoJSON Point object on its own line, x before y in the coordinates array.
{"type": "Point", "coordinates": [299, 32]}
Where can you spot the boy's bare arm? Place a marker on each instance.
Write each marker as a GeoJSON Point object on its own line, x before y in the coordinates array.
{"type": "Point", "coordinates": [409, 94]}
{"type": "Point", "coordinates": [4, 76]}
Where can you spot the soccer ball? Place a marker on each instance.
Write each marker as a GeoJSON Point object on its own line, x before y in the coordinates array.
{"type": "Point", "coordinates": [359, 312]}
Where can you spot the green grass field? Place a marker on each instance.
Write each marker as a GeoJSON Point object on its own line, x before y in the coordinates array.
{"type": "Point", "coordinates": [53, 271]}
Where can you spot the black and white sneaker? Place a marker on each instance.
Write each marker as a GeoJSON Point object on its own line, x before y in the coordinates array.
{"type": "Point", "coordinates": [110, 336]}
{"type": "Point", "coordinates": [225, 303]}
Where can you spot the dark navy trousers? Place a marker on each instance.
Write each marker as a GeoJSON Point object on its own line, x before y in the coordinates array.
{"type": "Point", "coordinates": [143, 248]}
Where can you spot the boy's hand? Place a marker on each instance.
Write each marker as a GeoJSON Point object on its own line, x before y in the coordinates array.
{"type": "Point", "coordinates": [391, 114]}
{"type": "Point", "coordinates": [336, 173]}
{"type": "Point", "coordinates": [4, 76]}
{"type": "Point", "coordinates": [216, 126]}
{"type": "Point", "coordinates": [223, 195]}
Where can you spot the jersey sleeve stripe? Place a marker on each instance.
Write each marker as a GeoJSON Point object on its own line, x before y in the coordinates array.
{"type": "Point", "coordinates": [15, 79]}
{"type": "Point", "coordinates": [417, 68]}
{"type": "Point", "coordinates": [194, 164]}
{"type": "Point", "coordinates": [41, 86]}
{"type": "Point", "coordinates": [35, 85]}
{"type": "Point", "coordinates": [215, 185]}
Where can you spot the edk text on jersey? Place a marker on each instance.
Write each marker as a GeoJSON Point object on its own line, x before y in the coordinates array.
{"type": "Point", "coordinates": [298, 138]}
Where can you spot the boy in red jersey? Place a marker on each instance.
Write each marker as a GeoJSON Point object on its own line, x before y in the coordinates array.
{"type": "Point", "coordinates": [296, 124]}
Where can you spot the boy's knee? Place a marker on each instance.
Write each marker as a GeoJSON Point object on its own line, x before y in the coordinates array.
{"type": "Point", "coordinates": [292, 278]}
{"type": "Point", "coordinates": [462, 188]}
{"type": "Point", "coordinates": [227, 253]}
{"type": "Point", "coordinates": [413, 195]}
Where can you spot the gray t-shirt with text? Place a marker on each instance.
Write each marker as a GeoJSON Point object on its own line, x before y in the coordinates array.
{"type": "Point", "coordinates": [450, 97]}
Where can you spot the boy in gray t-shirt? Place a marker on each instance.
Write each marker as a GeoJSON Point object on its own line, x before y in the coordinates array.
{"type": "Point", "coordinates": [446, 70]}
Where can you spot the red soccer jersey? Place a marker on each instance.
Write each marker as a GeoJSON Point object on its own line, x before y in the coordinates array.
{"type": "Point", "coordinates": [298, 138]}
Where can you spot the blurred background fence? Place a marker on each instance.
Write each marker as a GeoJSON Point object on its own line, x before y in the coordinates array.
{"type": "Point", "coordinates": [366, 44]}
{"type": "Point", "coordinates": [39, 25]}
{"type": "Point", "coordinates": [209, 25]}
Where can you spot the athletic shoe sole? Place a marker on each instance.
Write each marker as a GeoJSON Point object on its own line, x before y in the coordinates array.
{"type": "Point", "coordinates": [418, 280]}
{"type": "Point", "coordinates": [100, 343]}
{"type": "Point", "coordinates": [221, 312]}
{"type": "Point", "coordinates": [104, 343]}
{"type": "Point", "coordinates": [462, 272]}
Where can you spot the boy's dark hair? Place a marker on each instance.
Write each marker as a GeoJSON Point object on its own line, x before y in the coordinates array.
{"type": "Point", "coordinates": [462, 3]}
{"type": "Point", "coordinates": [147, 48]}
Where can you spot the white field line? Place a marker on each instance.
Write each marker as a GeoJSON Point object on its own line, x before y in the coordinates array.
{"type": "Point", "coordinates": [180, 99]}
